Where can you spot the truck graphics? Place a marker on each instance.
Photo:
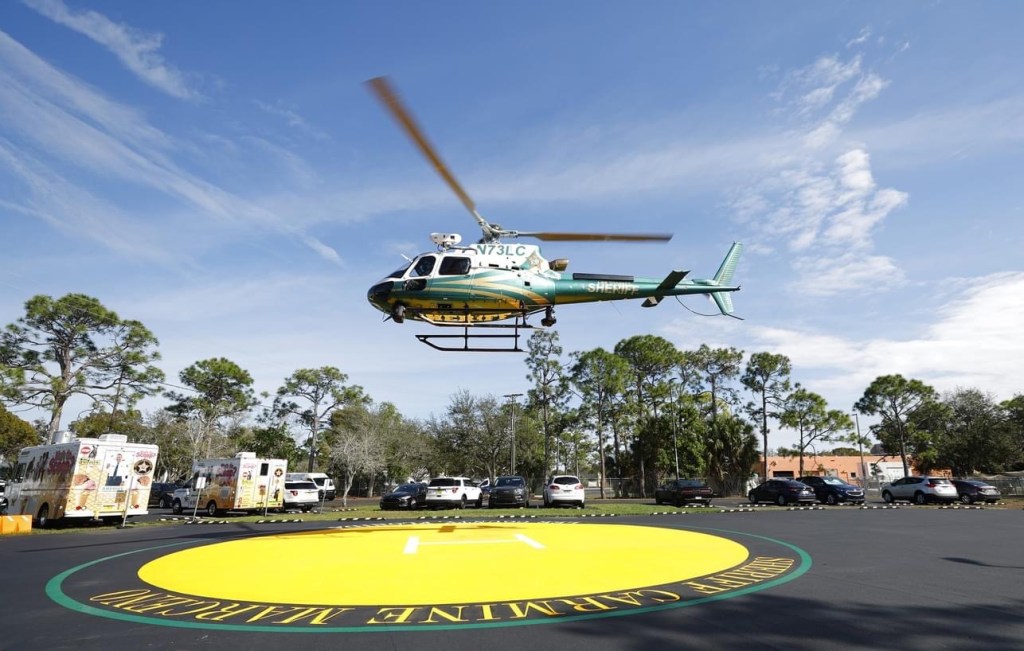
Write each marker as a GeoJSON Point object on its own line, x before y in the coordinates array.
{"type": "Point", "coordinates": [241, 483]}
{"type": "Point", "coordinates": [104, 478]}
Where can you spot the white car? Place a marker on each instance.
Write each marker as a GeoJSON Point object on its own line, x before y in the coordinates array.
{"type": "Point", "coordinates": [454, 491]}
{"type": "Point", "coordinates": [302, 494]}
{"type": "Point", "coordinates": [564, 489]}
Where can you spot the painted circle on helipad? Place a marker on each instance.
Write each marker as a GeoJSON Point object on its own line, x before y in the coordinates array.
{"type": "Point", "coordinates": [421, 564]}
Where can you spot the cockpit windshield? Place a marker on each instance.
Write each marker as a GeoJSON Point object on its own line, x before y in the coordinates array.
{"type": "Point", "coordinates": [398, 273]}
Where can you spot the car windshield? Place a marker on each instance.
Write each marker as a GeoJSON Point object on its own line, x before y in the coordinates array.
{"type": "Point", "coordinates": [690, 483]}
{"type": "Point", "coordinates": [444, 481]}
{"type": "Point", "coordinates": [407, 488]}
{"type": "Point", "coordinates": [565, 480]}
{"type": "Point", "coordinates": [510, 481]}
{"type": "Point", "coordinates": [938, 480]}
{"type": "Point", "coordinates": [835, 481]}
{"type": "Point", "coordinates": [308, 485]}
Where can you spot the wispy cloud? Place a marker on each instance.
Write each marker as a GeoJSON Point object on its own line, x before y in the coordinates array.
{"type": "Point", "coordinates": [292, 119]}
{"type": "Point", "coordinates": [863, 36]}
{"type": "Point", "coordinates": [137, 50]}
{"type": "Point", "coordinates": [87, 140]}
{"type": "Point", "coordinates": [822, 200]}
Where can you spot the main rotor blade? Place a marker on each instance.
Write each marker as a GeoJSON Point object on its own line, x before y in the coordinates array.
{"type": "Point", "coordinates": [388, 96]}
{"type": "Point", "coordinates": [598, 237]}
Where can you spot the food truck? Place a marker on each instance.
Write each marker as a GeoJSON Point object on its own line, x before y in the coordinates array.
{"type": "Point", "coordinates": [105, 478]}
{"type": "Point", "coordinates": [241, 483]}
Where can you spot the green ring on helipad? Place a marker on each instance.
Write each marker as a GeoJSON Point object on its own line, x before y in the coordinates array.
{"type": "Point", "coordinates": [421, 564]}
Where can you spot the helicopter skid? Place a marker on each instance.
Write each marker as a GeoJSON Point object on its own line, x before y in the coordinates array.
{"type": "Point", "coordinates": [474, 341]}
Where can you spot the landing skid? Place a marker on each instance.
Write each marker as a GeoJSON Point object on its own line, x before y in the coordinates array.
{"type": "Point", "coordinates": [469, 339]}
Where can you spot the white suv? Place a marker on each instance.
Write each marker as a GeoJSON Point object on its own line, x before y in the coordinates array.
{"type": "Point", "coordinates": [454, 491]}
{"type": "Point", "coordinates": [921, 490]}
{"type": "Point", "coordinates": [564, 489]}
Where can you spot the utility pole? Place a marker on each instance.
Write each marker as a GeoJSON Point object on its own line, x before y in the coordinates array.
{"type": "Point", "coordinates": [512, 427]}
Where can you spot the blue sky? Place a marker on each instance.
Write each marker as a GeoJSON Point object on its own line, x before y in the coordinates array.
{"type": "Point", "coordinates": [219, 172]}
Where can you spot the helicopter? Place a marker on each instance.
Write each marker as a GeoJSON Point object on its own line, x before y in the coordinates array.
{"type": "Point", "coordinates": [490, 288]}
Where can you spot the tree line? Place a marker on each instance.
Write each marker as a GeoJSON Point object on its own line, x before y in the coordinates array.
{"type": "Point", "coordinates": [637, 414]}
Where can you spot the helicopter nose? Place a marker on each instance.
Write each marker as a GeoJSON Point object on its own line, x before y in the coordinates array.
{"type": "Point", "coordinates": [379, 293]}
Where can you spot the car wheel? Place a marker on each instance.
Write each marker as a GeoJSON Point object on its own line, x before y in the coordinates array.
{"type": "Point", "coordinates": [887, 497]}
{"type": "Point", "coordinates": [43, 517]}
{"type": "Point", "coordinates": [966, 499]}
{"type": "Point", "coordinates": [781, 500]}
{"type": "Point", "coordinates": [480, 502]}
{"type": "Point", "coordinates": [176, 507]}
{"type": "Point", "coordinates": [752, 497]}
{"type": "Point", "coordinates": [657, 500]}
{"type": "Point", "coordinates": [919, 498]}
{"type": "Point", "coordinates": [462, 502]}
{"type": "Point", "coordinates": [546, 502]}
{"type": "Point", "coordinates": [831, 499]}
{"type": "Point", "coordinates": [211, 508]}
{"type": "Point", "coordinates": [680, 502]}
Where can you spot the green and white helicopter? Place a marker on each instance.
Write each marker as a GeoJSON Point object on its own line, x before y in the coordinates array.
{"type": "Point", "coordinates": [490, 288]}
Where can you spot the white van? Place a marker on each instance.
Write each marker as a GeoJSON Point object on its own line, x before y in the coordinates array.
{"type": "Point", "coordinates": [322, 481]}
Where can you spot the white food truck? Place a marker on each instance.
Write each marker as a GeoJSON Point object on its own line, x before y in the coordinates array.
{"type": "Point", "coordinates": [241, 483]}
{"type": "Point", "coordinates": [104, 478]}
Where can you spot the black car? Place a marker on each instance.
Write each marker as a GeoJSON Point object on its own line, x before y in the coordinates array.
{"type": "Point", "coordinates": [509, 491]}
{"type": "Point", "coordinates": [683, 491]}
{"type": "Point", "coordinates": [783, 492]}
{"type": "Point", "coordinates": [407, 496]}
{"type": "Point", "coordinates": [833, 490]}
{"type": "Point", "coordinates": [975, 490]}
{"type": "Point", "coordinates": [162, 494]}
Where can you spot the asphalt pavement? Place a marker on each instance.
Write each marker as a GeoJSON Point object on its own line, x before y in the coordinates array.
{"type": "Point", "coordinates": [828, 578]}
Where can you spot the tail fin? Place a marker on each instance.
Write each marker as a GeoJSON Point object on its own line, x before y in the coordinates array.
{"type": "Point", "coordinates": [724, 274]}
{"type": "Point", "coordinates": [724, 277]}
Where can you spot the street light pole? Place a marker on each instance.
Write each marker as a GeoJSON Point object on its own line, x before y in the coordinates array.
{"type": "Point", "coordinates": [860, 448]}
{"type": "Point", "coordinates": [675, 425]}
{"type": "Point", "coordinates": [512, 426]}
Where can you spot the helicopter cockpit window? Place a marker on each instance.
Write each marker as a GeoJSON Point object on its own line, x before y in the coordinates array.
{"type": "Point", "coordinates": [424, 266]}
{"type": "Point", "coordinates": [454, 266]}
{"type": "Point", "coordinates": [398, 273]}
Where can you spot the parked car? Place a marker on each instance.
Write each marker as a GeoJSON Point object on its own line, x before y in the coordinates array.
{"type": "Point", "coordinates": [509, 490]}
{"type": "Point", "coordinates": [454, 491]}
{"type": "Point", "coordinates": [407, 496]}
{"type": "Point", "coordinates": [564, 489]}
{"type": "Point", "coordinates": [920, 490]}
{"type": "Point", "coordinates": [683, 491]}
{"type": "Point", "coordinates": [323, 483]}
{"type": "Point", "coordinates": [162, 494]}
{"type": "Point", "coordinates": [782, 492]}
{"type": "Point", "coordinates": [301, 494]}
{"type": "Point", "coordinates": [833, 490]}
{"type": "Point", "coordinates": [975, 490]}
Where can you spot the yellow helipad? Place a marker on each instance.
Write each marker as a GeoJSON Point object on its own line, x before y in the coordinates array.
{"type": "Point", "coordinates": [423, 564]}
